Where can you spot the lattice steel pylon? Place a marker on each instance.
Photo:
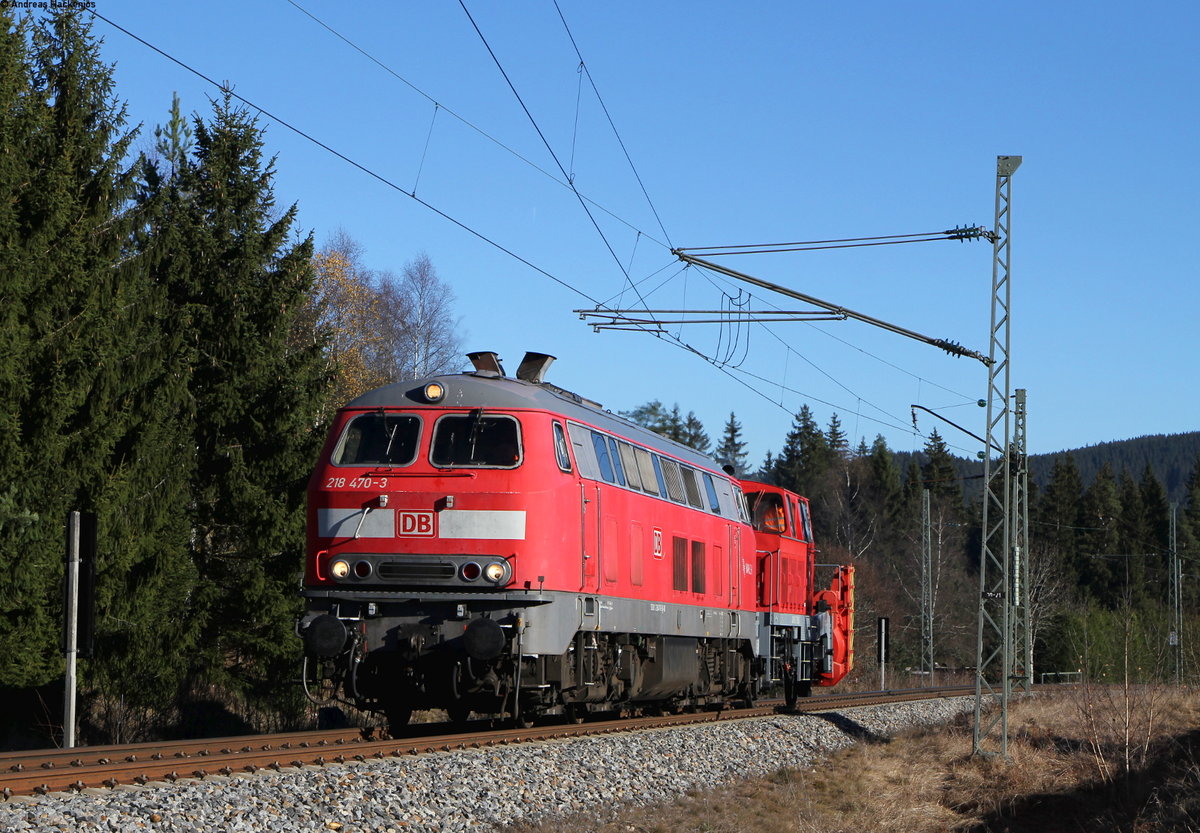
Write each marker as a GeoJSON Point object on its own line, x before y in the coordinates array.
{"type": "Point", "coordinates": [927, 662]}
{"type": "Point", "coordinates": [994, 644]}
{"type": "Point", "coordinates": [1022, 572]}
{"type": "Point", "coordinates": [1175, 636]}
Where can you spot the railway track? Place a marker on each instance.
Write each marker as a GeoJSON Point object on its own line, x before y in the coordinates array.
{"type": "Point", "coordinates": [98, 767]}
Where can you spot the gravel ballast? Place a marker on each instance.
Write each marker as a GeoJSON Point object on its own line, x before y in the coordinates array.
{"type": "Point", "coordinates": [477, 790]}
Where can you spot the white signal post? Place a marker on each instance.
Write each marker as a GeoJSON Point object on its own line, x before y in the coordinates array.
{"type": "Point", "coordinates": [71, 647]}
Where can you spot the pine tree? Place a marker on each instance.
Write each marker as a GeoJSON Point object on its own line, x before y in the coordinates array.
{"type": "Point", "coordinates": [238, 283]}
{"type": "Point", "coordinates": [694, 435]}
{"type": "Point", "coordinates": [1156, 514]}
{"type": "Point", "coordinates": [671, 424]}
{"type": "Point", "coordinates": [805, 458]}
{"type": "Point", "coordinates": [732, 450]}
{"type": "Point", "coordinates": [1101, 575]}
{"type": "Point", "coordinates": [835, 438]}
{"type": "Point", "coordinates": [1132, 539]}
{"type": "Point", "coordinates": [80, 374]}
{"type": "Point", "coordinates": [938, 470]}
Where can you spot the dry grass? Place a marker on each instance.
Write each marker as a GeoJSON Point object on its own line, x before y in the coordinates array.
{"type": "Point", "coordinates": [1083, 760]}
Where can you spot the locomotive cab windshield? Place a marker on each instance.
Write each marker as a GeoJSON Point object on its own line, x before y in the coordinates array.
{"type": "Point", "coordinates": [476, 441]}
{"type": "Point", "coordinates": [379, 439]}
{"type": "Point", "coordinates": [767, 511]}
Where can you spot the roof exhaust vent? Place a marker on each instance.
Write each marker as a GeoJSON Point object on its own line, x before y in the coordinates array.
{"type": "Point", "coordinates": [487, 363]}
{"type": "Point", "coordinates": [534, 366]}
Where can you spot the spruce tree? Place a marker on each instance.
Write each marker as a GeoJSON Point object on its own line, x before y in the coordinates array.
{"type": "Point", "coordinates": [672, 424]}
{"type": "Point", "coordinates": [805, 458]}
{"type": "Point", "coordinates": [1156, 514]}
{"type": "Point", "coordinates": [1102, 576]}
{"type": "Point", "coordinates": [1133, 539]}
{"type": "Point", "coordinates": [237, 281]}
{"type": "Point", "coordinates": [694, 435]}
{"type": "Point", "coordinates": [92, 379]}
{"type": "Point", "coordinates": [732, 450]}
{"type": "Point", "coordinates": [938, 470]}
{"type": "Point", "coordinates": [1056, 517]}
{"type": "Point", "coordinates": [885, 489]}
{"type": "Point", "coordinates": [1188, 530]}
{"type": "Point", "coordinates": [835, 438]}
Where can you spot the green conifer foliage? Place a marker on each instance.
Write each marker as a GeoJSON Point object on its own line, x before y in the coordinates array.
{"type": "Point", "coordinates": [237, 280]}
{"type": "Point", "coordinates": [1101, 574]}
{"type": "Point", "coordinates": [671, 424]}
{"type": "Point", "coordinates": [732, 450]}
{"type": "Point", "coordinates": [72, 309]}
{"type": "Point", "coordinates": [805, 457]}
{"type": "Point", "coordinates": [938, 471]}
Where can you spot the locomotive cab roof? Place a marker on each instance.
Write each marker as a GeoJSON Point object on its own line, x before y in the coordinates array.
{"type": "Point", "coordinates": [488, 387]}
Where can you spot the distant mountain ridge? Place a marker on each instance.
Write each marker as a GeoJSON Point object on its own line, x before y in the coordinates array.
{"type": "Point", "coordinates": [1172, 458]}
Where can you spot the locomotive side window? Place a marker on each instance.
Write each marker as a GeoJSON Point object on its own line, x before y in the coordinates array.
{"type": "Point", "coordinates": [645, 467]}
{"type": "Point", "coordinates": [560, 448]}
{"type": "Point", "coordinates": [379, 439]}
{"type": "Point", "coordinates": [674, 480]}
{"type": "Point", "coordinates": [658, 475]}
{"type": "Point", "coordinates": [585, 452]}
{"type": "Point", "coordinates": [629, 462]}
{"type": "Point", "coordinates": [616, 461]}
{"type": "Point", "coordinates": [740, 500]}
{"type": "Point", "coordinates": [804, 519]}
{"type": "Point", "coordinates": [690, 488]}
{"type": "Point", "coordinates": [606, 469]}
{"type": "Point", "coordinates": [767, 509]}
{"type": "Point", "coordinates": [602, 457]}
{"type": "Point", "coordinates": [476, 441]}
{"type": "Point", "coordinates": [713, 503]}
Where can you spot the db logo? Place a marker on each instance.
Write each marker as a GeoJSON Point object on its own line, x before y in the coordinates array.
{"type": "Point", "coordinates": [415, 523]}
{"type": "Point", "coordinates": [658, 552]}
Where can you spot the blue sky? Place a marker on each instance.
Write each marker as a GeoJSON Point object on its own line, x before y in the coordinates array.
{"type": "Point", "coordinates": [749, 123]}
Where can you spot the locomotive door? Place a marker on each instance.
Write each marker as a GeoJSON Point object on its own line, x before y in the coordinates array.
{"type": "Point", "coordinates": [735, 565]}
{"type": "Point", "coordinates": [591, 518]}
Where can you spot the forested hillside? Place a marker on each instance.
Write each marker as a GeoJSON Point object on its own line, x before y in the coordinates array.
{"type": "Point", "coordinates": [1099, 541]}
{"type": "Point", "coordinates": [1170, 456]}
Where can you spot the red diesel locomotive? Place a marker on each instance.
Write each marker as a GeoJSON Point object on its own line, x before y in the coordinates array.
{"type": "Point", "coordinates": [482, 543]}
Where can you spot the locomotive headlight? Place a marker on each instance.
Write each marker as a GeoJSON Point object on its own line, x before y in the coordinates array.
{"type": "Point", "coordinates": [340, 569]}
{"type": "Point", "coordinates": [434, 392]}
{"type": "Point", "coordinates": [495, 571]}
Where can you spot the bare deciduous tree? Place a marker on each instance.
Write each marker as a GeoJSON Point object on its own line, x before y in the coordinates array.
{"type": "Point", "coordinates": [420, 331]}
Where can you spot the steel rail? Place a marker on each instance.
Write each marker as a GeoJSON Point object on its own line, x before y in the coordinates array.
{"type": "Point", "coordinates": [54, 770]}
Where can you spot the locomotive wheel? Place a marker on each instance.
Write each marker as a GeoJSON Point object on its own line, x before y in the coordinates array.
{"type": "Point", "coordinates": [576, 713]}
{"type": "Point", "coordinates": [458, 714]}
{"type": "Point", "coordinates": [397, 718]}
{"type": "Point", "coordinates": [789, 691]}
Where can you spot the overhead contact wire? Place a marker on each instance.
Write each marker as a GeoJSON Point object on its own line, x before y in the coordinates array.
{"type": "Point", "coordinates": [537, 128]}
{"type": "Point", "coordinates": [282, 122]}
{"type": "Point", "coordinates": [460, 118]}
{"type": "Point", "coordinates": [612, 124]}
